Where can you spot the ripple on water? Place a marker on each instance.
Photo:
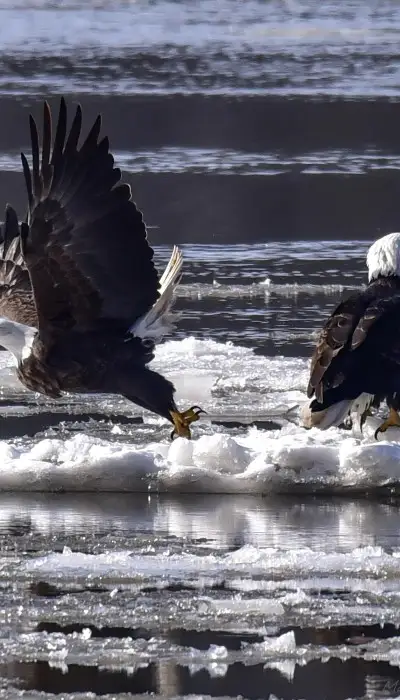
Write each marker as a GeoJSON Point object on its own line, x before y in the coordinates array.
{"type": "Point", "coordinates": [211, 47]}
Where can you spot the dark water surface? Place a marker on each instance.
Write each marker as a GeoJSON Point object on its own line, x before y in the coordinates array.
{"type": "Point", "coordinates": [271, 296]}
{"type": "Point", "coordinates": [263, 137]}
{"type": "Point", "coordinates": [301, 98]}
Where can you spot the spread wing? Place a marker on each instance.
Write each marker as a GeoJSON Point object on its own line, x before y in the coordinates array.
{"type": "Point", "coordinates": [354, 322]}
{"type": "Point", "coordinates": [16, 296]}
{"type": "Point", "coordinates": [84, 241]}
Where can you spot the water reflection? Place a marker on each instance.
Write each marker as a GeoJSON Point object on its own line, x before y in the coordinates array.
{"type": "Point", "coordinates": [333, 680]}
{"type": "Point", "coordinates": [225, 522]}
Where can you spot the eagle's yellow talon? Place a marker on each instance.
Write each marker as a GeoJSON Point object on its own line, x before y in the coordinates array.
{"type": "Point", "coordinates": [392, 421]}
{"type": "Point", "coordinates": [182, 421]}
{"type": "Point", "coordinates": [192, 414]}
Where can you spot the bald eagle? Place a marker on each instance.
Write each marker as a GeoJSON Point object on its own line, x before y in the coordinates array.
{"type": "Point", "coordinates": [81, 302]}
{"type": "Point", "coordinates": [356, 362]}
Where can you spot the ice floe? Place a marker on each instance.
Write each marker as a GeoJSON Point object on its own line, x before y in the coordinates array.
{"type": "Point", "coordinates": [225, 379]}
{"type": "Point", "coordinates": [363, 565]}
{"type": "Point", "coordinates": [257, 462]}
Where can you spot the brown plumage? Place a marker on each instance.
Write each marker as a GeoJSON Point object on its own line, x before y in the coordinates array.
{"type": "Point", "coordinates": [357, 355]}
{"type": "Point", "coordinates": [80, 270]}
{"type": "Point", "coordinates": [16, 296]}
{"type": "Point", "coordinates": [351, 324]}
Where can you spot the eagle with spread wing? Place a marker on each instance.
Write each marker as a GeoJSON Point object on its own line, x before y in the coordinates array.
{"type": "Point", "coordinates": [81, 302]}
{"type": "Point", "coordinates": [356, 361]}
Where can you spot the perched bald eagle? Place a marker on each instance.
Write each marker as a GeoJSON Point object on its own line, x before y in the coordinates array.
{"type": "Point", "coordinates": [81, 302]}
{"type": "Point", "coordinates": [356, 362]}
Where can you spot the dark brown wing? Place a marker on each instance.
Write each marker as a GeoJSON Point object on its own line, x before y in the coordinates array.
{"type": "Point", "coordinates": [382, 306]}
{"type": "Point", "coordinates": [333, 338]}
{"type": "Point", "coordinates": [84, 242]}
{"type": "Point", "coordinates": [353, 322]}
{"type": "Point", "coordinates": [16, 296]}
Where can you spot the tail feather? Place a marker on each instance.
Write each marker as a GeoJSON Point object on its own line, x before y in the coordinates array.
{"type": "Point", "coordinates": [171, 272]}
{"type": "Point", "coordinates": [326, 417]}
{"type": "Point", "coordinates": [334, 411]}
{"type": "Point", "coordinates": [159, 320]}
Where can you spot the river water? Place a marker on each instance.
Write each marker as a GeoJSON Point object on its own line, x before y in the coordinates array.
{"type": "Point", "coordinates": [260, 560]}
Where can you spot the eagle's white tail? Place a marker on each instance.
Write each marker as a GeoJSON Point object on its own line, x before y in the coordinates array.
{"type": "Point", "coordinates": [327, 417]}
{"type": "Point", "coordinates": [159, 320]}
{"type": "Point", "coordinates": [170, 274]}
{"type": "Point", "coordinates": [336, 413]}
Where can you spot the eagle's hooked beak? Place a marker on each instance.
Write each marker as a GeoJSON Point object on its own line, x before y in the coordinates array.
{"type": "Point", "coordinates": [182, 421]}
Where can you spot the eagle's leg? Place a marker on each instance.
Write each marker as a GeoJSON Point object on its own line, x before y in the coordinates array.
{"type": "Point", "coordinates": [182, 421]}
{"type": "Point", "coordinates": [392, 421]}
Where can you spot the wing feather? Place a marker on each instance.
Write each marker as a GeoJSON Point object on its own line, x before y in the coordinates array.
{"type": "Point", "coordinates": [354, 323]}
{"type": "Point", "coordinates": [333, 338]}
{"type": "Point", "coordinates": [16, 296]}
{"type": "Point", "coordinates": [59, 140]}
{"type": "Point", "coordinates": [28, 180]}
{"type": "Point", "coordinates": [46, 169]}
{"type": "Point", "coordinates": [84, 243]}
{"type": "Point", "coordinates": [37, 181]}
{"type": "Point", "coordinates": [374, 312]}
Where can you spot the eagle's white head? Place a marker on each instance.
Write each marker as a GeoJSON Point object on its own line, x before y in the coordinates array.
{"type": "Point", "coordinates": [383, 257]}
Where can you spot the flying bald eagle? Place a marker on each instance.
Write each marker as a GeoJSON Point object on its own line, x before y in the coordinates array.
{"type": "Point", "coordinates": [356, 362]}
{"type": "Point", "coordinates": [81, 302]}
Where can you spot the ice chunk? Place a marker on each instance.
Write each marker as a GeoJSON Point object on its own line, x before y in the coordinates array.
{"type": "Point", "coordinates": [254, 462]}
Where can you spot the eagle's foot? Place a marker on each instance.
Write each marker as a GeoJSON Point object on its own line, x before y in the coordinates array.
{"type": "Point", "coordinates": [182, 421]}
{"type": "Point", "coordinates": [392, 421]}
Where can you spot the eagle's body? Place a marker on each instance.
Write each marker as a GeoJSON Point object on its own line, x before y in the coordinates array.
{"type": "Point", "coordinates": [117, 367]}
{"type": "Point", "coordinates": [356, 361]}
{"type": "Point", "coordinates": [81, 302]}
